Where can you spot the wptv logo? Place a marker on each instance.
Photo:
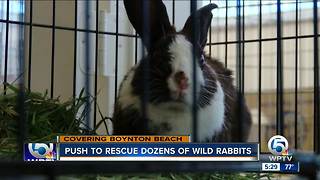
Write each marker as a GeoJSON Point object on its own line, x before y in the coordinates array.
{"type": "Point", "coordinates": [40, 152]}
{"type": "Point", "coordinates": [278, 146]}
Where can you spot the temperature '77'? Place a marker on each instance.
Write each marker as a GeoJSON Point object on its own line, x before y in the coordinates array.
{"type": "Point", "coordinates": [289, 166]}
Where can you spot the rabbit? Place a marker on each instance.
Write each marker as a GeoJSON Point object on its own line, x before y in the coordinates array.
{"type": "Point", "coordinates": [163, 79]}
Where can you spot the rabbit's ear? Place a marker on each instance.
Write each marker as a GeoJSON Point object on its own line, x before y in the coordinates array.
{"type": "Point", "coordinates": [150, 19]}
{"type": "Point", "coordinates": [200, 22]}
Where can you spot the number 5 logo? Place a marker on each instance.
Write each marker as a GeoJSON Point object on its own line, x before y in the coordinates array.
{"type": "Point", "coordinates": [277, 145]}
{"type": "Point", "coordinates": [40, 150]}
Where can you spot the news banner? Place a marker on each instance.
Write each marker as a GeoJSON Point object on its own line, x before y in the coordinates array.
{"type": "Point", "coordinates": [159, 148]}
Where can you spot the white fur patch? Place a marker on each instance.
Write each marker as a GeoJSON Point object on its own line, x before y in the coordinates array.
{"type": "Point", "coordinates": [211, 118]}
{"type": "Point", "coordinates": [182, 60]}
{"type": "Point", "coordinates": [178, 115]}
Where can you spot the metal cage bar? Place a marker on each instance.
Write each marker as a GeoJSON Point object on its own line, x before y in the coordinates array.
{"type": "Point", "coordinates": [243, 52]}
{"type": "Point", "coordinates": [242, 91]}
{"type": "Point", "coordinates": [88, 123]}
{"type": "Point", "coordinates": [135, 49]}
{"type": "Point", "coordinates": [65, 28]}
{"type": "Point", "coordinates": [268, 4]}
{"type": "Point", "coordinates": [96, 65]}
{"type": "Point", "coordinates": [259, 70]}
{"type": "Point", "coordinates": [117, 51]}
{"type": "Point", "coordinates": [296, 80]}
{"type": "Point", "coordinates": [53, 40]}
{"type": "Point", "coordinates": [210, 38]}
{"type": "Point", "coordinates": [262, 40]}
{"type": "Point", "coordinates": [30, 45]}
{"type": "Point", "coordinates": [22, 133]}
{"type": "Point", "coordinates": [316, 79]}
{"type": "Point", "coordinates": [6, 50]}
{"type": "Point", "coordinates": [133, 36]}
{"type": "Point", "coordinates": [239, 62]}
{"type": "Point", "coordinates": [173, 12]}
{"type": "Point", "coordinates": [226, 38]}
{"type": "Point", "coordinates": [75, 42]}
{"type": "Point", "coordinates": [195, 32]}
{"type": "Point", "coordinates": [279, 105]}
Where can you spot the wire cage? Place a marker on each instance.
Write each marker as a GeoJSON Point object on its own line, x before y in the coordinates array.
{"type": "Point", "coordinates": [64, 46]}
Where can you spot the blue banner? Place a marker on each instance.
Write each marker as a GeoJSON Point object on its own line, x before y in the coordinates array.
{"type": "Point", "coordinates": [158, 151]}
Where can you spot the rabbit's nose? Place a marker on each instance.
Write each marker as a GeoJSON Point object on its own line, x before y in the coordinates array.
{"type": "Point", "coordinates": [181, 80]}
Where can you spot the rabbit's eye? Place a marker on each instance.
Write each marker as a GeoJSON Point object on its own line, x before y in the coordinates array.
{"type": "Point", "coordinates": [202, 61]}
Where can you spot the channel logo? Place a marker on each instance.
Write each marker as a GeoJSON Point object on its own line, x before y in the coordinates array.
{"type": "Point", "coordinates": [278, 145]}
{"type": "Point", "coordinates": [40, 152]}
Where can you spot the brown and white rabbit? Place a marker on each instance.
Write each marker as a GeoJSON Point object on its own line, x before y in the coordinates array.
{"type": "Point", "coordinates": [168, 86]}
